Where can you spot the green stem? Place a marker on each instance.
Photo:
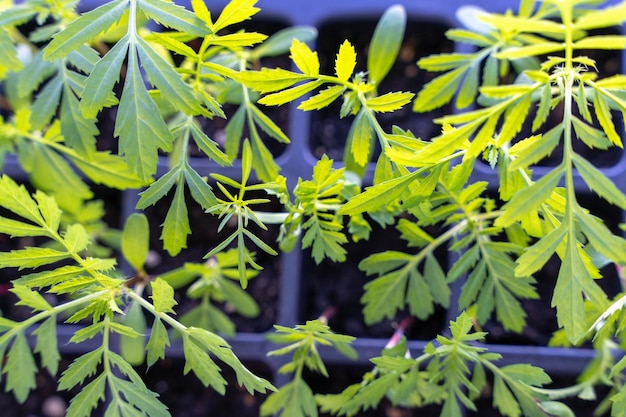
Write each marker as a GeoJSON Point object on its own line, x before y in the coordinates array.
{"type": "Point", "coordinates": [163, 316]}
{"type": "Point", "coordinates": [49, 313]}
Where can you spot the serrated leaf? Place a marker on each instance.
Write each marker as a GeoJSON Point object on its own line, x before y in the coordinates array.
{"type": "Point", "coordinates": [533, 149]}
{"type": "Point", "coordinates": [30, 298]}
{"type": "Point", "coordinates": [31, 257]}
{"type": "Point", "coordinates": [592, 137]}
{"type": "Point", "coordinates": [469, 88]}
{"type": "Point", "coordinates": [605, 242]}
{"type": "Point", "coordinates": [174, 16]}
{"type": "Point", "coordinates": [176, 225]}
{"type": "Point", "coordinates": [79, 132]}
{"type": "Point", "coordinates": [167, 80]}
{"type": "Point", "coordinates": [47, 346]}
{"type": "Point", "coordinates": [514, 119]}
{"type": "Point", "coordinates": [605, 119]}
{"type": "Point", "coordinates": [601, 18]}
{"type": "Point", "coordinates": [574, 280]}
{"type": "Point", "coordinates": [157, 343]}
{"type": "Point", "coordinates": [267, 125]}
{"type": "Point", "coordinates": [135, 240]}
{"type": "Point", "coordinates": [106, 168]}
{"type": "Point", "coordinates": [208, 146]}
{"type": "Point", "coordinates": [529, 199]}
{"type": "Point", "coordinates": [345, 61]}
{"type": "Point", "coordinates": [16, 228]}
{"type": "Point", "coordinates": [543, 48]}
{"type": "Point", "coordinates": [320, 100]}
{"type": "Point", "coordinates": [16, 199]}
{"type": "Point", "coordinates": [598, 182]}
{"type": "Point", "coordinates": [360, 139]}
{"type": "Point", "coordinates": [385, 45]}
{"type": "Point", "coordinates": [159, 188]}
{"type": "Point", "coordinates": [198, 361]}
{"type": "Point", "coordinates": [102, 79]}
{"type": "Point", "coordinates": [439, 91]}
{"type": "Point", "coordinates": [601, 42]}
{"type": "Point", "coordinates": [85, 29]}
{"type": "Point", "coordinates": [378, 195]}
{"type": "Point", "coordinates": [20, 369]}
{"type": "Point", "coordinates": [294, 399]}
{"type": "Point", "coordinates": [444, 62]}
{"type": "Point", "coordinates": [88, 398]}
{"type": "Point", "coordinates": [544, 107]}
{"type": "Point", "coordinates": [200, 190]}
{"type": "Point", "coordinates": [268, 80]}
{"type": "Point", "coordinates": [236, 11]}
{"type": "Point", "coordinates": [389, 102]}
{"type": "Point", "coordinates": [537, 255]}
{"type": "Point", "coordinates": [305, 59]}
{"type": "Point", "coordinates": [162, 296]}
{"type": "Point", "coordinates": [45, 104]}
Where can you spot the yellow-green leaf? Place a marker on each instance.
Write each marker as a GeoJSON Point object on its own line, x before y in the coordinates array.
{"type": "Point", "coordinates": [346, 61]}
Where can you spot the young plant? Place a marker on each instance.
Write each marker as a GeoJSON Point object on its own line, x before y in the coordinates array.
{"type": "Point", "coordinates": [526, 87]}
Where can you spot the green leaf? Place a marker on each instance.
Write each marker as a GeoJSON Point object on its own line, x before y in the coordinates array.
{"type": "Point", "coordinates": [15, 198]}
{"type": "Point", "coordinates": [318, 101]}
{"type": "Point", "coordinates": [267, 125]}
{"type": "Point", "coordinates": [592, 137]}
{"type": "Point", "coordinates": [599, 183]}
{"type": "Point", "coordinates": [208, 146]}
{"type": "Point", "coordinates": [389, 102]}
{"type": "Point", "coordinates": [529, 199]}
{"type": "Point", "coordinates": [533, 149]}
{"type": "Point", "coordinates": [8, 50]}
{"type": "Point", "coordinates": [17, 14]}
{"type": "Point", "coordinates": [385, 45]}
{"type": "Point", "coordinates": [537, 255]}
{"type": "Point", "coordinates": [176, 225]}
{"type": "Point", "coordinates": [601, 18]}
{"type": "Point", "coordinates": [605, 119]}
{"type": "Point", "coordinates": [167, 80]}
{"type": "Point", "coordinates": [45, 105]}
{"type": "Point", "coordinates": [31, 257]}
{"type": "Point", "coordinates": [572, 281]}
{"type": "Point", "coordinates": [439, 91]}
{"type": "Point", "coordinates": [305, 59]}
{"type": "Point", "coordinates": [139, 125]}
{"type": "Point", "coordinates": [200, 190]}
{"type": "Point", "coordinates": [294, 399]}
{"type": "Point", "coordinates": [236, 11]}
{"type": "Point", "coordinates": [345, 61]}
{"type": "Point", "coordinates": [135, 240]}
{"type": "Point", "coordinates": [85, 29]}
{"type": "Point", "coordinates": [601, 42]}
{"type": "Point", "coordinates": [543, 48]}
{"type": "Point", "coordinates": [79, 132]}
{"type": "Point", "coordinates": [30, 298]}
{"type": "Point", "coordinates": [88, 398]}
{"type": "Point", "coordinates": [76, 238]}
{"type": "Point", "coordinates": [378, 195]}
{"type": "Point", "coordinates": [609, 245]}
{"type": "Point", "coordinates": [106, 168]}
{"type": "Point", "coordinates": [47, 345]}
{"type": "Point", "coordinates": [162, 296]}
{"type": "Point", "coordinates": [133, 346]}
{"type": "Point", "coordinates": [514, 119]}
{"type": "Point", "coordinates": [198, 361]}
{"type": "Point", "coordinates": [159, 188]}
{"type": "Point", "coordinates": [102, 79]}
{"type": "Point", "coordinates": [174, 16]}
{"type": "Point", "coordinates": [20, 369]}
{"type": "Point", "coordinates": [467, 93]}
{"type": "Point", "coordinates": [360, 139]}
{"type": "Point", "coordinates": [157, 343]}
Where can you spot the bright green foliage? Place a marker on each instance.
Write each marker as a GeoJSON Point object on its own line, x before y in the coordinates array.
{"type": "Point", "coordinates": [296, 398]}
{"type": "Point", "coordinates": [523, 71]}
{"type": "Point", "coordinates": [211, 282]}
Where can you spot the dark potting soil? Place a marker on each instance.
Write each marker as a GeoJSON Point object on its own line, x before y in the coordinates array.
{"type": "Point", "coordinates": [422, 38]}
